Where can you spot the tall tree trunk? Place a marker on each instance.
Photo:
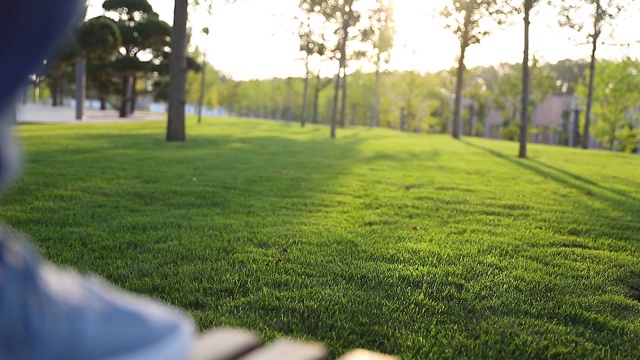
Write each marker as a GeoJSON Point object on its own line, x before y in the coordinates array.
{"type": "Point", "coordinates": [334, 114]}
{"type": "Point", "coordinates": [103, 102]}
{"type": "Point", "coordinates": [472, 119]}
{"type": "Point", "coordinates": [81, 87]}
{"type": "Point", "coordinates": [375, 112]}
{"type": "Point", "coordinates": [343, 101]}
{"type": "Point", "coordinates": [305, 94]}
{"type": "Point", "coordinates": [524, 115]}
{"type": "Point", "coordinates": [458, 97]}
{"type": "Point", "coordinates": [124, 96]}
{"type": "Point", "coordinates": [354, 109]}
{"type": "Point", "coordinates": [343, 62]}
{"type": "Point", "coordinates": [36, 93]}
{"type": "Point", "coordinates": [316, 97]}
{"type": "Point", "coordinates": [202, 83]}
{"type": "Point", "coordinates": [178, 73]}
{"type": "Point", "coordinates": [134, 95]}
{"type": "Point", "coordinates": [279, 115]}
{"type": "Point", "coordinates": [587, 115]}
{"type": "Point", "coordinates": [54, 95]}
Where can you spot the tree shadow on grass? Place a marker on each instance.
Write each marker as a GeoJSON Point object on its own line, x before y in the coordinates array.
{"type": "Point", "coordinates": [585, 181]}
{"type": "Point", "coordinates": [616, 200]}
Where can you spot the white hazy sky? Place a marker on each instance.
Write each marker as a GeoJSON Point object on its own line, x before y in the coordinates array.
{"type": "Point", "coordinates": [258, 38]}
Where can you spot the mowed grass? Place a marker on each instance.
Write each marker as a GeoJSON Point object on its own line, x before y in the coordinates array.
{"type": "Point", "coordinates": [270, 227]}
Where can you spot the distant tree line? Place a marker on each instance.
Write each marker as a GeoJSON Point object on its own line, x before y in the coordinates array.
{"type": "Point", "coordinates": [128, 50]}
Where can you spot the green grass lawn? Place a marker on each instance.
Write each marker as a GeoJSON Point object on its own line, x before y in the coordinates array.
{"type": "Point", "coordinates": [279, 229]}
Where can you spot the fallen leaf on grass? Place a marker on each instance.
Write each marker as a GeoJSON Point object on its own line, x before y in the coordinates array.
{"type": "Point", "coordinates": [278, 261]}
{"type": "Point", "coordinates": [408, 187]}
{"type": "Point", "coordinates": [589, 193]}
{"type": "Point", "coordinates": [415, 228]}
{"type": "Point", "coordinates": [285, 248]}
{"type": "Point", "coordinates": [195, 179]}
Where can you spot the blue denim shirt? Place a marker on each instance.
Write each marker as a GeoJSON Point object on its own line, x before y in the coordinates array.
{"type": "Point", "coordinates": [32, 29]}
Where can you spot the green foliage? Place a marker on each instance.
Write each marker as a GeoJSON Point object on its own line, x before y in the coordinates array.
{"type": "Point", "coordinates": [131, 11]}
{"type": "Point", "coordinates": [616, 101]}
{"type": "Point", "coordinates": [214, 87]}
{"type": "Point", "coordinates": [422, 95]}
{"type": "Point", "coordinates": [383, 26]}
{"type": "Point", "coordinates": [99, 39]}
{"type": "Point", "coordinates": [510, 129]}
{"type": "Point", "coordinates": [601, 14]}
{"type": "Point", "coordinates": [568, 74]}
{"type": "Point", "coordinates": [500, 86]}
{"type": "Point", "coordinates": [143, 36]}
{"type": "Point", "coordinates": [463, 18]}
{"type": "Point", "coordinates": [58, 70]}
{"type": "Point", "coordinates": [102, 78]}
{"type": "Point", "coordinates": [520, 259]}
{"type": "Point", "coordinates": [145, 46]}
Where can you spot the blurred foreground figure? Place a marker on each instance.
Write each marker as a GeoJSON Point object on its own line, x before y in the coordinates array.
{"type": "Point", "coordinates": [54, 314]}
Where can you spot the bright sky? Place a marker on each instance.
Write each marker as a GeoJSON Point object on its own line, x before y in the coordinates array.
{"type": "Point", "coordinates": [258, 38]}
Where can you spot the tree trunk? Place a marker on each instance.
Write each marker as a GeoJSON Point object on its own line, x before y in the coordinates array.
{"type": "Point", "coordinates": [353, 115]}
{"type": "Point", "coordinates": [375, 112]}
{"type": "Point", "coordinates": [81, 87]}
{"type": "Point", "coordinates": [54, 95]}
{"type": "Point", "coordinates": [178, 73]}
{"type": "Point", "coordinates": [123, 96]}
{"type": "Point", "coordinates": [36, 93]}
{"type": "Point", "coordinates": [472, 119]}
{"type": "Point", "coordinates": [103, 102]}
{"type": "Point", "coordinates": [458, 97]}
{"type": "Point", "coordinates": [316, 97]}
{"type": "Point", "coordinates": [334, 114]}
{"type": "Point", "coordinates": [524, 115]}
{"type": "Point", "coordinates": [587, 115]}
{"type": "Point", "coordinates": [279, 114]}
{"type": "Point", "coordinates": [343, 104]}
{"type": "Point", "coordinates": [343, 65]}
{"type": "Point", "coordinates": [134, 95]}
{"type": "Point", "coordinates": [305, 94]}
{"type": "Point", "coordinates": [202, 83]}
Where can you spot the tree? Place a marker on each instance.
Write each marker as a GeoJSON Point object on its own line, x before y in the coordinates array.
{"type": "Point", "coordinates": [320, 85]}
{"type": "Point", "coordinates": [382, 39]}
{"type": "Point", "coordinates": [602, 13]}
{"type": "Point", "coordinates": [98, 40]}
{"type": "Point", "coordinates": [568, 73]}
{"type": "Point", "coordinates": [57, 69]}
{"type": "Point", "coordinates": [145, 45]}
{"type": "Point", "coordinates": [616, 92]}
{"type": "Point", "coordinates": [527, 5]}
{"type": "Point", "coordinates": [205, 31]}
{"type": "Point", "coordinates": [500, 86]}
{"type": "Point", "coordinates": [311, 44]}
{"type": "Point", "coordinates": [464, 19]}
{"type": "Point", "coordinates": [177, 73]}
{"type": "Point", "coordinates": [339, 17]}
{"type": "Point", "coordinates": [213, 87]}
